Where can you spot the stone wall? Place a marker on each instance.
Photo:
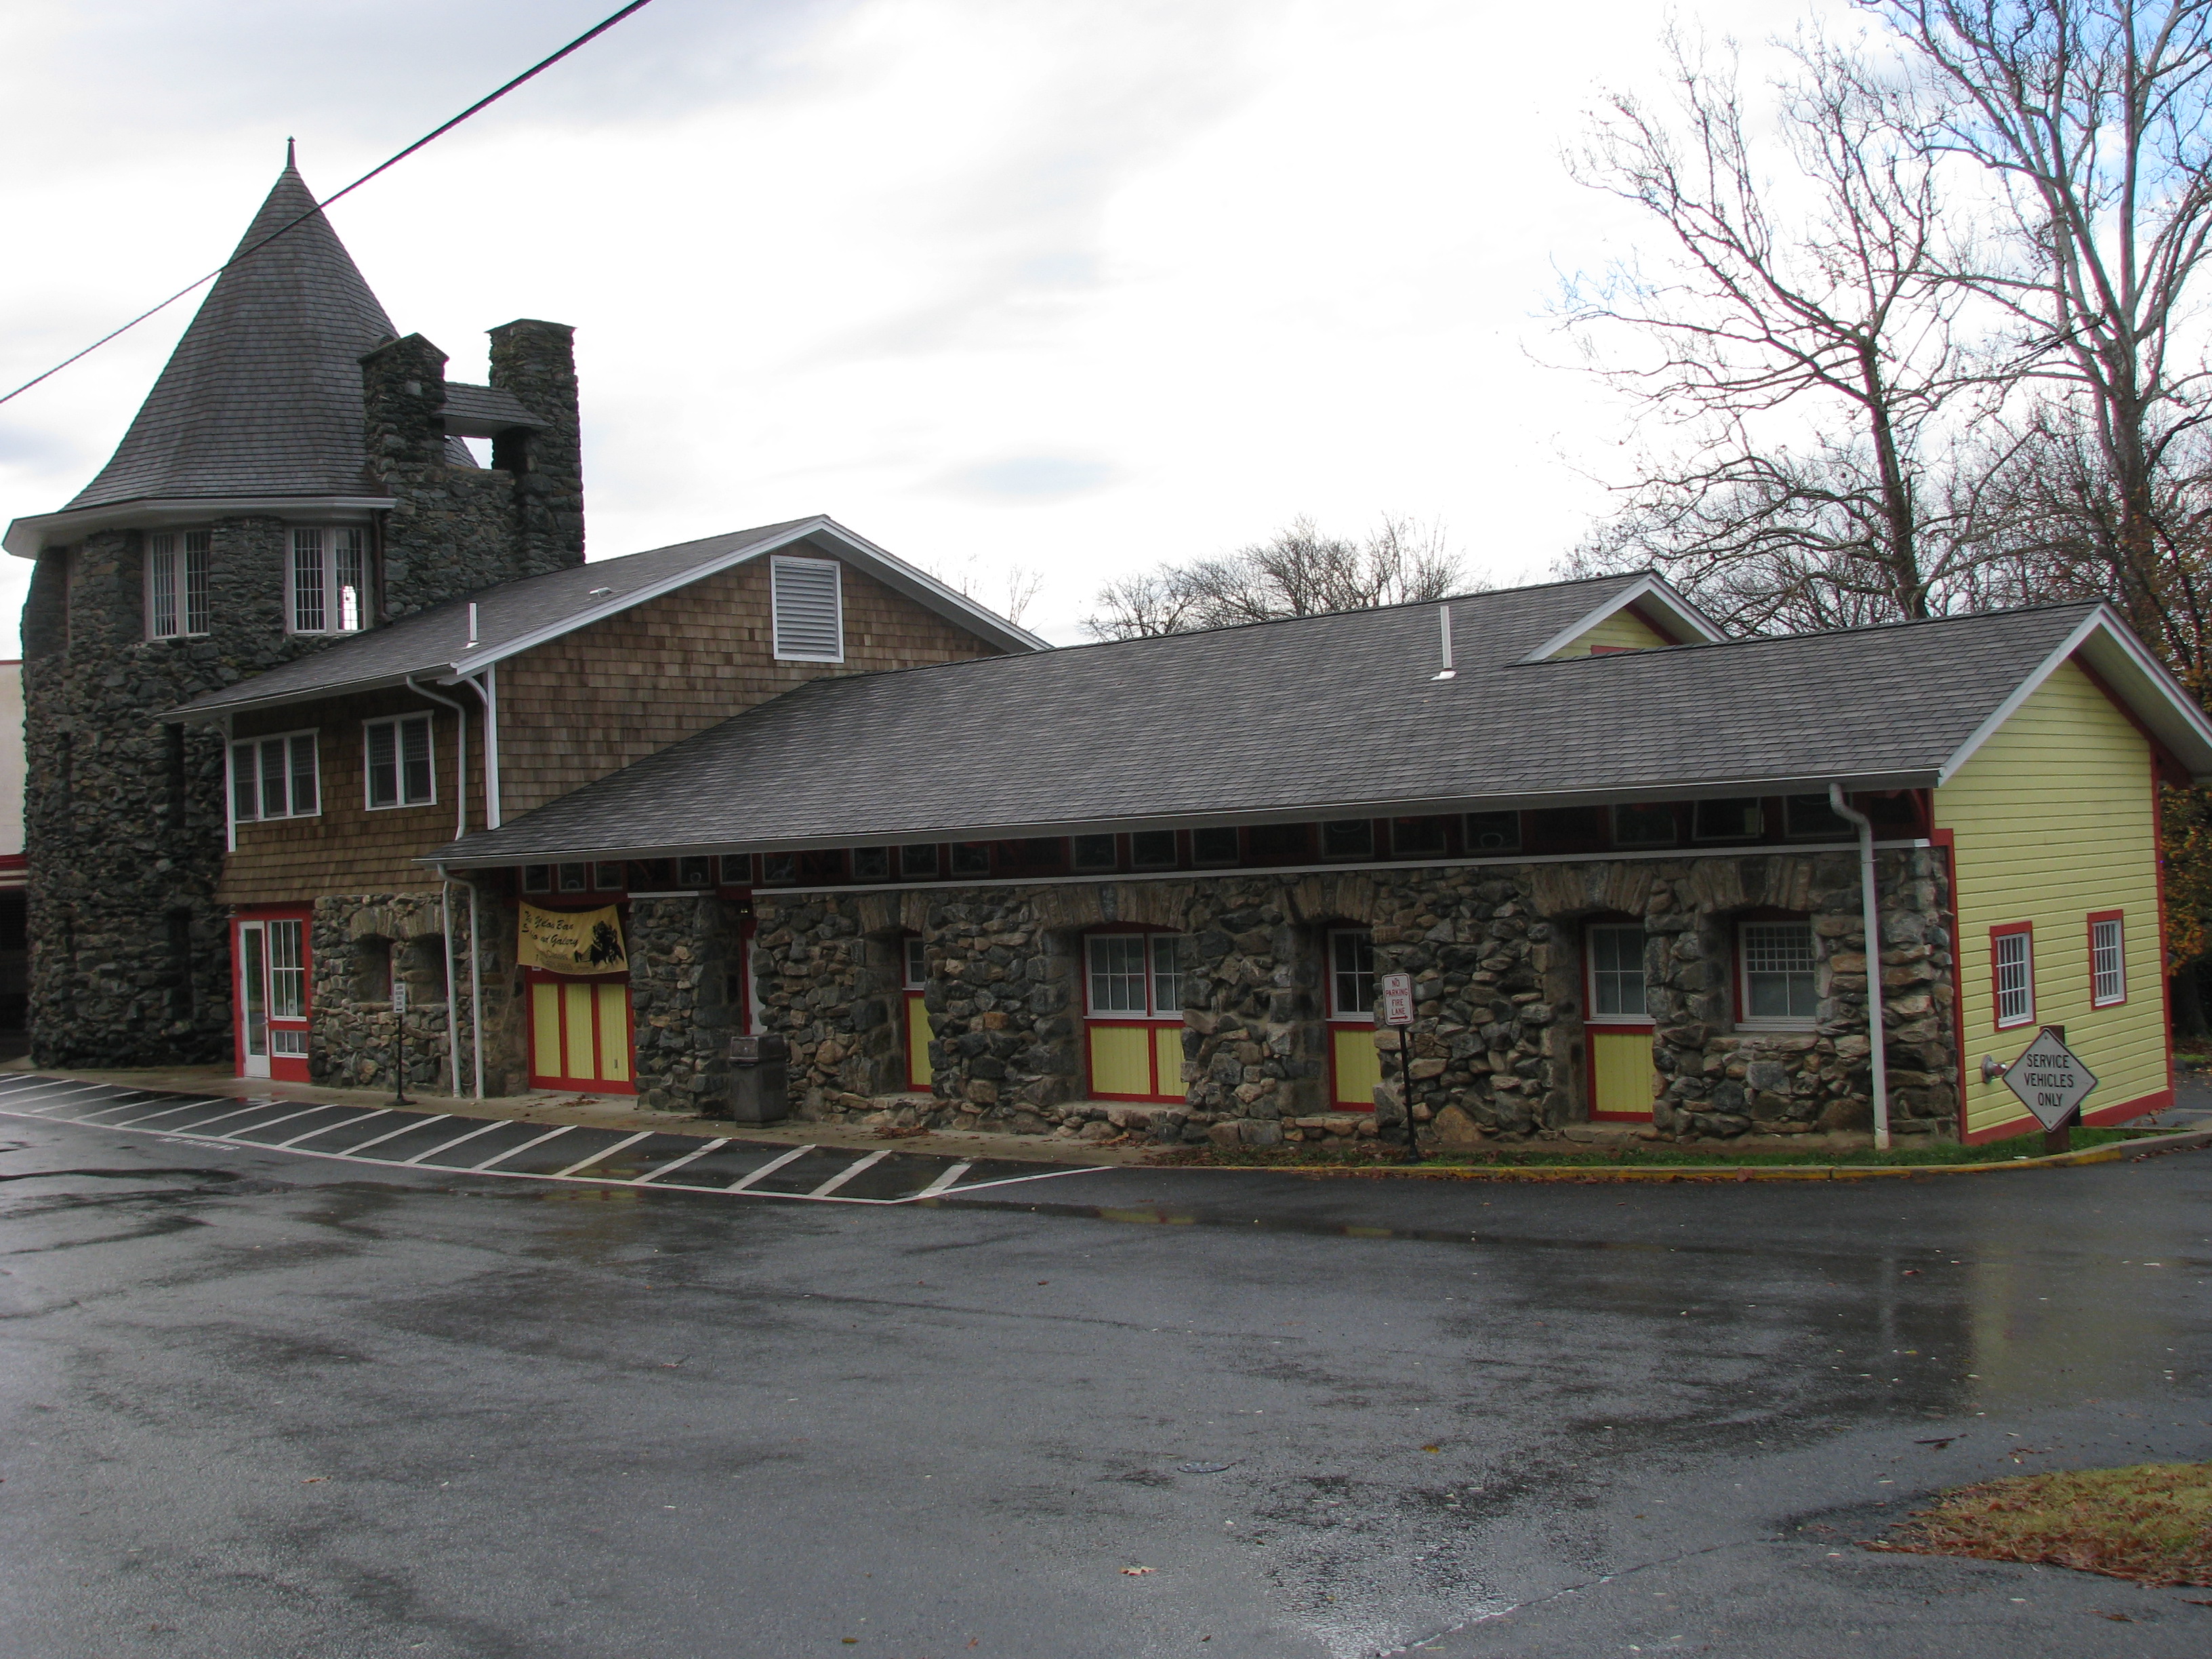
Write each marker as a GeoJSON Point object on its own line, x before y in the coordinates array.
{"type": "Point", "coordinates": [357, 947]}
{"type": "Point", "coordinates": [683, 961]}
{"type": "Point", "coordinates": [1495, 953]}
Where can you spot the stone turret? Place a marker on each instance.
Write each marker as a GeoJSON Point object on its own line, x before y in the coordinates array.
{"type": "Point", "coordinates": [290, 439]}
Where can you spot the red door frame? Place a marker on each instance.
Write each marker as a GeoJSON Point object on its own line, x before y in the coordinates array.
{"type": "Point", "coordinates": [533, 977]}
{"type": "Point", "coordinates": [283, 1068]}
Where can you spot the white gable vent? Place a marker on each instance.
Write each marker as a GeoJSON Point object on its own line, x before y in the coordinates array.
{"type": "Point", "coordinates": [810, 612]}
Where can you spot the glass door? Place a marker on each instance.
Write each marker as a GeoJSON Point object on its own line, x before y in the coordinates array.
{"type": "Point", "coordinates": [273, 998]}
{"type": "Point", "coordinates": [253, 1000]}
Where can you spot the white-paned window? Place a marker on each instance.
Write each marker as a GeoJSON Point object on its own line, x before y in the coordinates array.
{"type": "Point", "coordinates": [274, 778]}
{"type": "Point", "coordinates": [397, 762]}
{"type": "Point", "coordinates": [288, 972]}
{"type": "Point", "coordinates": [329, 580]}
{"type": "Point", "coordinates": [808, 601]}
{"type": "Point", "coordinates": [1779, 985]}
{"type": "Point", "coordinates": [176, 584]}
{"type": "Point", "coordinates": [1616, 972]}
{"type": "Point", "coordinates": [1351, 973]}
{"type": "Point", "coordinates": [2012, 959]}
{"type": "Point", "coordinates": [917, 963]}
{"type": "Point", "coordinates": [1135, 975]}
{"type": "Point", "coordinates": [2108, 962]}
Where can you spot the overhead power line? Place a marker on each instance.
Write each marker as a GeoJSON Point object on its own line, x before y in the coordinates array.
{"type": "Point", "coordinates": [244, 253]}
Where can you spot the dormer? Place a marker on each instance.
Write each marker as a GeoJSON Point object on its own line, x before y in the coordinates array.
{"type": "Point", "coordinates": [1648, 615]}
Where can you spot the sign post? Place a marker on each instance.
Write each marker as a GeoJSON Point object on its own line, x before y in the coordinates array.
{"type": "Point", "coordinates": [399, 1039]}
{"type": "Point", "coordinates": [2052, 1083]}
{"type": "Point", "coordinates": [1394, 1008]}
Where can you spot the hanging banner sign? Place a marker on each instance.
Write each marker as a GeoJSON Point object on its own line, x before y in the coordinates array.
{"type": "Point", "coordinates": [572, 941]}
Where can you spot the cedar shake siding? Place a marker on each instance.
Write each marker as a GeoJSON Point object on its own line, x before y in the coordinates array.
{"type": "Point", "coordinates": [593, 701]}
{"type": "Point", "coordinates": [350, 849]}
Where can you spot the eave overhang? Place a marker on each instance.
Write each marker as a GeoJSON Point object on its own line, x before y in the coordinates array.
{"type": "Point", "coordinates": [29, 537]}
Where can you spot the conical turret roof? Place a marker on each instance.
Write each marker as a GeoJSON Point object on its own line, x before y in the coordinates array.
{"type": "Point", "coordinates": [261, 397]}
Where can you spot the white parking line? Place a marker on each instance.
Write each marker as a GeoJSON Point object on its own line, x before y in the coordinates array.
{"type": "Point", "coordinates": [768, 1169]}
{"type": "Point", "coordinates": [350, 1123]}
{"type": "Point", "coordinates": [844, 1175]}
{"type": "Point", "coordinates": [512, 1151]}
{"type": "Point", "coordinates": [392, 1135]}
{"type": "Point", "coordinates": [603, 1152]}
{"type": "Point", "coordinates": [496, 1123]}
{"type": "Point", "coordinates": [166, 1111]}
{"type": "Point", "coordinates": [47, 1092]}
{"type": "Point", "coordinates": [230, 1135]}
{"type": "Point", "coordinates": [945, 1180]}
{"type": "Point", "coordinates": [257, 1106]}
{"type": "Point", "coordinates": [678, 1162]}
{"type": "Point", "coordinates": [122, 1105]}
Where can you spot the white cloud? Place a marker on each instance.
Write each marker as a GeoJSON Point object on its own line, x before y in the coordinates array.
{"type": "Point", "coordinates": [1077, 287]}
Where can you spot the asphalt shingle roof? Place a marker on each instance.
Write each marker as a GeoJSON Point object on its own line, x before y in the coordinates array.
{"type": "Point", "coordinates": [432, 641]}
{"type": "Point", "coordinates": [1295, 718]}
{"type": "Point", "coordinates": [488, 407]}
{"type": "Point", "coordinates": [262, 396]}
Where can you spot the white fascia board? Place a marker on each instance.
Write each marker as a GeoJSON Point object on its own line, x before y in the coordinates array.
{"type": "Point", "coordinates": [27, 538]}
{"type": "Point", "coordinates": [1652, 590]}
{"type": "Point", "coordinates": [1854, 783]}
{"type": "Point", "coordinates": [2126, 665]}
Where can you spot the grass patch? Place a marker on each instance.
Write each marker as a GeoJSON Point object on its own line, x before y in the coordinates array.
{"type": "Point", "coordinates": [1572, 1154]}
{"type": "Point", "coordinates": [2152, 1524]}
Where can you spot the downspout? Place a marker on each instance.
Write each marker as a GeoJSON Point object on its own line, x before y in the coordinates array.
{"type": "Point", "coordinates": [1870, 922]}
{"type": "Point", "coordinates": [486, 686]}
{"type": "Point", "coordinates": [445, 904]}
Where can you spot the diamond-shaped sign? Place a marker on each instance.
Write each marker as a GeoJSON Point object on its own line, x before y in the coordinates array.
{"type": "Point", "coordinates": [2049, 1079]}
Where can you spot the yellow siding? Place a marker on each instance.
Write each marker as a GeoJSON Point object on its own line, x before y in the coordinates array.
{"type": "Point", "coordinates": [614, 1032]}
{"type": "Point", "coordinates": [1358, 1067]}
{"type": "Point", "coordinates": [1623, 1078]}
{"type": "Point", "coordinates": [1167, 1057]}
{"type": "Point", "coordinates": [918, 1035]}
{"type": "Point", "coordinates": [1120, 1060]}
{"type": "Point", "coordinates": [1623, 630]}
{"type": "Point", "coordinates": [2054, 818]}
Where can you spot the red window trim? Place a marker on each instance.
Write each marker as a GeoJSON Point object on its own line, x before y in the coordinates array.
{"type": "Point", "coordinates": [2090, 931]}
{"type": "Point", "coordinates": [1998, 1022]}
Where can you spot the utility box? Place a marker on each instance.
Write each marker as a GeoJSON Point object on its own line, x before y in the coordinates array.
{"type": "Point", "coordinates": [760, 1082]}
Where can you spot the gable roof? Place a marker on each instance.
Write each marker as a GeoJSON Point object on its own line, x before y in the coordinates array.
{"type": "Point", "coordinates": [513, 616]}
{"type": "Point", "coordinates": [1334, 716]}
{"type": "Point", "coordinates": [1650, 595]}
{"type": "Point", "coordinates": [262, 396]}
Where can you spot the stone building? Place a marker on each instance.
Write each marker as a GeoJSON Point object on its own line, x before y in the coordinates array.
{"type": "Point", "coordinates": [1624, 861]}
{"type": "Point", "coordinates": [296, 476]}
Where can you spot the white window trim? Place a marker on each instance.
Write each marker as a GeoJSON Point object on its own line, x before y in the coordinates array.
{"type": "Point", "coordinates": [180, 585]}
{"type": "Point", "coordinates": [1152, 1011]}
{"type": "Point", "coordinates": [330, 533]}
{"type": "Point", "coordinates": [2119, 925]}
{"type": "Point", "coordinates": [230, 776]}
{"type": "Point", "coordinates": [1641, 1022]}
{"type": "Point", "coordinates": [399, 761]}
{"type": "Point", "coordinates": [2026, 937]}
{"type": "Point", "coordinates": [776, 566]}
{"type": "Point", "coordinates": [1748, 1021]}
{"type": "Point", "coordinates": [1338, 1016]}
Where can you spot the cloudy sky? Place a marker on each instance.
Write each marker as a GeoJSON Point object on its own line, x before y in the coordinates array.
{"type": "Point", "coordinates": [1075, 287]}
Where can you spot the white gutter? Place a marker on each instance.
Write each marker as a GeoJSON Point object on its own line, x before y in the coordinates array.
{"type": "Point", "coordinates": [1870, 915]}
{"type": "Point", "coordinates": [460, 752]}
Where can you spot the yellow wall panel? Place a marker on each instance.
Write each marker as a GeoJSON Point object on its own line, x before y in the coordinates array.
{"type": "Point", "coordinates": [614, 1032]}
{"type": "Point", "coordinates": [918, 1035]}
{"type": "Point", "coordinates": [1623, 630]}
{"type": "Point", "coordinates": [545, 1029]}
{"type": "Point", "coordinates": [1120, 1060]}
{"type": "Point", "coordinates": [1359, 1065]}
{"type": "Point", "coordinates": [1167, 1052]}
{"type": "Point", "coordinates": [2053, 818]}
{"type": "Point", "coordinates": [1623, 1080]}
{"type": "Point", "coordinates": [576, 1012]}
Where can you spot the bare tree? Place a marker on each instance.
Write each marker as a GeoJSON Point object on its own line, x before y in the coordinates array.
{"type": "Point", "coordinates": [1010, 591]}
{"type": "Point", "coordinates": [1297, 571]}
{"type": "Point", "coordinates": [2094, 119]}
{"type": "Point", "coordinates": [1801, 349]}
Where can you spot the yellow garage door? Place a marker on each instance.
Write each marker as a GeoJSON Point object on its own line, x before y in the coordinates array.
{"type": "Point", "coordinates": [579, 1035]}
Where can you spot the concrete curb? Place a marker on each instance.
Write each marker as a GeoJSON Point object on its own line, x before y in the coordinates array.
{"type": "Point", "coordinates": [2117, 1152]}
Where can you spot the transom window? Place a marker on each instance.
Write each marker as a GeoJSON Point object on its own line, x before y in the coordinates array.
{"type": "Point", "coordinates": [398, 762]}
{"type": "Point", "coordinates": [1351, 974]}
{"type": "Point", "coordinates": [329, 580]}
{"type": "Point", "coordinates": [177, 602]}
{"type": "Point", "coordinates": [274, 778]}
{"type": "Point", "coordinates": [1616, 972]}
{"type": "Point", "coordinates": [2012, 954]}
{"type": "Point", "coordinates": [2108, 965]}
{"type": "Point", "coordinates": [1136, 975]}
{"type": "Point", "coordinates": [1779, 978]}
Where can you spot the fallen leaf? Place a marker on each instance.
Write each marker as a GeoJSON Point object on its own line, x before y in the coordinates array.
{"type": "Point", "coordinates": [1433, 1448]}
{"type": "Point", "coordinates": [1127, 1573]}
{"type": "Point", "coordinates": [2117, 1617]}
{"type": "Point", "coordinates": [311, 1479]}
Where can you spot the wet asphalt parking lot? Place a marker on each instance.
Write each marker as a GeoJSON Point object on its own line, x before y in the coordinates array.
{"type": "Point", "coordinates": [258, 1403]}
